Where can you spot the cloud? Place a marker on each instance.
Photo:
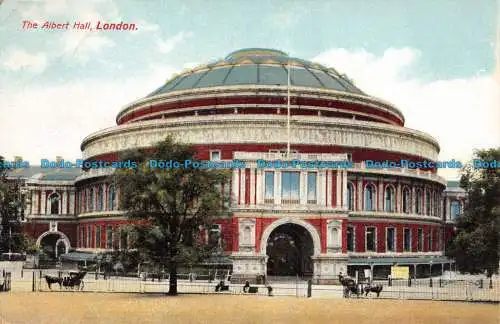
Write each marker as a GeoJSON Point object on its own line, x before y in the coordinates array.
{"type": "Point", "coordinates": [60, 116]}
{"type": "Point", "coordinates": [166, 46]}
{"type": "Point", "coordinates": [145, 27]}
{"type": "Point", "coordinates": [462, 114]}
{"type": "Point", "coordinates": [19, 59]}
{"type": "Point", "coordinates": [81, 46]}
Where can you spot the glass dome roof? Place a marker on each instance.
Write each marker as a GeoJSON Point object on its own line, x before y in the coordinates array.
{"type": "Point", "coordinates": [257, 66]}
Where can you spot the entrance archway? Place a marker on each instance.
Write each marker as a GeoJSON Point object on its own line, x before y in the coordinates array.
{"type": "Point", "coordinates": [53, 243]}
{"type": "Point", "coordinates": [289, 251]}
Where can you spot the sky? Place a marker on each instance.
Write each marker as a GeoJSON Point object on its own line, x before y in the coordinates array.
{"type": "Point", "coordinates": [436, 60]}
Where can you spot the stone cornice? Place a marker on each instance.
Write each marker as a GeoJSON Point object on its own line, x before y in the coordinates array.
{"type": "Point", "coordinates": [391, 217]}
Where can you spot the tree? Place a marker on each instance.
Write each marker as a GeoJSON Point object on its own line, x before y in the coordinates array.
{"type": "Point", "coordinates": [169, 205]}
{"type": "Point", "coordinates": [475, 246]}
{"type": "Point", "coordinates": [12, 203]}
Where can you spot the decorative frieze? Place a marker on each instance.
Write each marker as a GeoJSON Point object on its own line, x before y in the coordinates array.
{"type": "Point", "coordinates": [311, 130]}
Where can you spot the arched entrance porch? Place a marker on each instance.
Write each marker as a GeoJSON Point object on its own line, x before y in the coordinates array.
{"type": "Point", "coordinates": [289, 246]}
{"type": "Point", "coordinates": [54, 243]}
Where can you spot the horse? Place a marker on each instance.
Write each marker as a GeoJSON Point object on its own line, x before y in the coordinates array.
{"type": "Point", "coordinates": [376, 289]}
{"type": "Point", "coordinates": [75, 279]}
{"type": "Point", "coordinates": [350, 286]}
{"type": "Point", "coordinates": [51, 280]}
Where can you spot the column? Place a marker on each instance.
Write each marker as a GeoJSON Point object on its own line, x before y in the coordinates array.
{"type": "Point", "coordinates": [344, 189]}
{"type": "Point", "coordinates": [277, 188]}
{"type": "Point", "coordinates": [380, 196]}
{"type": "Point", "coordinates": [303, 187]}
{"type": "Point", "coordinates": [399, 198]}
{"type": "Point", "coordinates": [359, 195]}
{"type": "Point", "coordinates": [235, 186]}
{"type": "Point", "coordinates": [413, 200]}
{"type": "Point", "coordinates": [63, 209]}
{"type": "Point", "coordinates": [329, 187]}
{"type": "Point", "coordinates": [339, 188]}
{"type": "Point", "coordinates": [448, 212]}
{"type": "Point", "coordinates": [252, 186]}
{"type": "Point", "coordinates": [260, 185]}
{"type": "Point", "coordinates": [322, 198]}
{"type": "Point", "coordinates": [43, 203]}
{"type": "Point", "coordinates": [34, 202]}
{"type": "Point", "coordinates": [71, 203]}
{"type": "Point", "coordinates": [242, 186]}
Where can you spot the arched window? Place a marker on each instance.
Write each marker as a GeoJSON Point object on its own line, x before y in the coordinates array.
{"type": "Point", "coordinates": [369, 198]}
{"type": "Point", "coordinates": [455, 209]}
{"type": "Point", "coordinates": [389, 199]}
{"type": "Point", "coordinates": [406, 200]}
{"type": "Point", "coordinates": [90, 200]}
{"type": "Point", "coordinates": [54, 203]}
{"type": "Point", "coordinates": [428, 203]}
{"type": "Point", "coordinates": [100, 198]}
{"type": "Point", "coordinates": [418, 201]}
{"type": "Point", "coordinates": [111, 198]}
{"type": "Point", "coordinates": [350, 196]}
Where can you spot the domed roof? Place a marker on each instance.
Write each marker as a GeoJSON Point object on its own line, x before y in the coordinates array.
{"type": "Point", "coordinates": [259, 66]}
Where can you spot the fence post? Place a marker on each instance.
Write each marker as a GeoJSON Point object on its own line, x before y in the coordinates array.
{"type": "Point", "coordinates": [390, 282]}
{"type": "Point", "coordinates": [309, 288]}
{"type": "Point", "coordinates": [33, 282]}
{"type": "Point", "coordinates": [409, 282]}
{"type": "Point", "coordinates": [440, 283]}
{"type": "Point", "coordinates": [481, 283]}
{"type": "Point", "coordinates": [430, 283]}
{"type": "Point", "coordinates": [491, 283]}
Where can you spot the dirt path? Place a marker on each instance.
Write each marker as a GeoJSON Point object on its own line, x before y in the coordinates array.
{"type": "Point", "coordinates": [75, 307]}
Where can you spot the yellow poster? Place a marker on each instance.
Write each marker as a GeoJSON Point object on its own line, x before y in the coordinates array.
{"type": "Point", "coordinates": [400, 272]}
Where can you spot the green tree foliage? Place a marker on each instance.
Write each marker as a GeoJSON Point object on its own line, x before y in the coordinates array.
{"type": "Point", "coordinates": [475, 246]}
{"type": "Point", "coordinates": [12, 203]}
{"type": "Point", "coordinates": [169, 206]}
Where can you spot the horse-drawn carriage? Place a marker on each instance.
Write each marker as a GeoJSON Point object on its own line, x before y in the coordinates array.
{"type": "Point", "coordinates": [73, 280]}
{"type": "Point", "coordinates": [351, 287]}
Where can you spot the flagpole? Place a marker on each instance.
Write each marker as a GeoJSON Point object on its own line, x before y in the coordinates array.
{"type": "Point", "coordinates": [288, 112]}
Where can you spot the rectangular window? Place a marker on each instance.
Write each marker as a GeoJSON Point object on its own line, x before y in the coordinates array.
{"type": "Point", "coordinates": [269, 187]}
{"type": "Point", "coordinates": [350, 239]}
{"type": "Point", "coordinates": [97, 237]}
{"type": "Point", "coordinates": [123, 239]}
{"type": "Point", "coordinates": [311, 187]}
{"type": "Point", "coordinates": [290, 187]}
{"type": "Point", "coordinates": [214, 237]}
{"type": "Point", "coordinates": [370, 239]}
{"type": "Point", "coordinates": [420, 240]}
{"type": "Point", "coordinates": [109, 237]}
{"type": "Point", "coordinates": [429, 240]}
{"type": "Point", "coordinates": [390, 240]}
{"type": "Point", "coordinates": [89, 237]}
{"type": "Point", "coordinates": [407, 240]}
{"type": "Point", "coordinates": [215, 155]}
{"type": "Point", "coordinates": [440, 240]}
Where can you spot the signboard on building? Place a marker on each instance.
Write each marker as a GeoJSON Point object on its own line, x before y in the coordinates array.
{"type": "Point", "coordinates": [368, 273]}
{"type": "Point", "coordinates": [400, 272]}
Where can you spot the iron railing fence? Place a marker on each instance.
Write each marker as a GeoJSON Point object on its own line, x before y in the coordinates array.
{"type": "Point", "coordinates": [485, 289]}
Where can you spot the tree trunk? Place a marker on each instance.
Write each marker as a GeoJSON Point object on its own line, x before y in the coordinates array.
{"type": "Point", "coordinates": [172, 290]}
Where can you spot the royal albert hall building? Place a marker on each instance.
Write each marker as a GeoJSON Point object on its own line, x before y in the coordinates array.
{"type": "Point", "coordinates": [285, 221]}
